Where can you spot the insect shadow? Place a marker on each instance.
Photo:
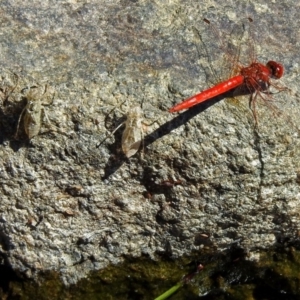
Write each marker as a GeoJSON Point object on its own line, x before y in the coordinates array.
{"type": "Point", "coordinates": [8, 108]}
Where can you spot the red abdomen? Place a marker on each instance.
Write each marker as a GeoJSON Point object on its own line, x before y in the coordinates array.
{"type": "Point", "coordinates": [209, 93]}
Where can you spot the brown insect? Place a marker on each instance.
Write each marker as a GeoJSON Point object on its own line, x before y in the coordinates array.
{"type": "Point", "coordinates": [133, 133]}
{"type": "Point", "coordinates": [32, 112]}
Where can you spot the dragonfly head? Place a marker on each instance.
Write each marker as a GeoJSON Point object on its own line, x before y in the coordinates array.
{"type": "Point", "coordinates": [276, 69]}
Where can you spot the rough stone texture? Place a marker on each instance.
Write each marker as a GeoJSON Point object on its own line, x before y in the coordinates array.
{"type": "Point", "coordinates": [69, 206]}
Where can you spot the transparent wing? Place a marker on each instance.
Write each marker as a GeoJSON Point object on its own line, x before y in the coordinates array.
{"type": "Point", "coordinates": [222, 53]}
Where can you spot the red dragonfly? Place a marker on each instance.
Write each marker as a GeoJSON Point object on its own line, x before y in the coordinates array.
{"type": "Point", "coordinates": [255, 79]}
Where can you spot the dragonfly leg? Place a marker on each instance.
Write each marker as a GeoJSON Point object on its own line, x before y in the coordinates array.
{"type": "Point", "coordinates": [252, 106]}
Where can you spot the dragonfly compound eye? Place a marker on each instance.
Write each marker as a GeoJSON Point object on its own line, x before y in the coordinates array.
{"type": "Point", "coordinates": [276, 68]}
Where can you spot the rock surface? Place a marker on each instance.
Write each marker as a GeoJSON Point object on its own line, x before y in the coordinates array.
{"type": "Point", "coordinates": [205, 178]}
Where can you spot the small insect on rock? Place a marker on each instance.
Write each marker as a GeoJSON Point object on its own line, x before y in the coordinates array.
{"type": "Point", "coordinates": [133, 133]}
{"type": "Point", "coordinates": [32, 112]}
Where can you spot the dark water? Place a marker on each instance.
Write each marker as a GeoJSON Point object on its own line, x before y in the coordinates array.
{"type": "Point", "coordinates": [273, 274]}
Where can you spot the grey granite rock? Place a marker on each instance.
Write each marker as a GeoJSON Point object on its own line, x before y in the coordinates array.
{"type": "Point", "coordinates": [200, 180]}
